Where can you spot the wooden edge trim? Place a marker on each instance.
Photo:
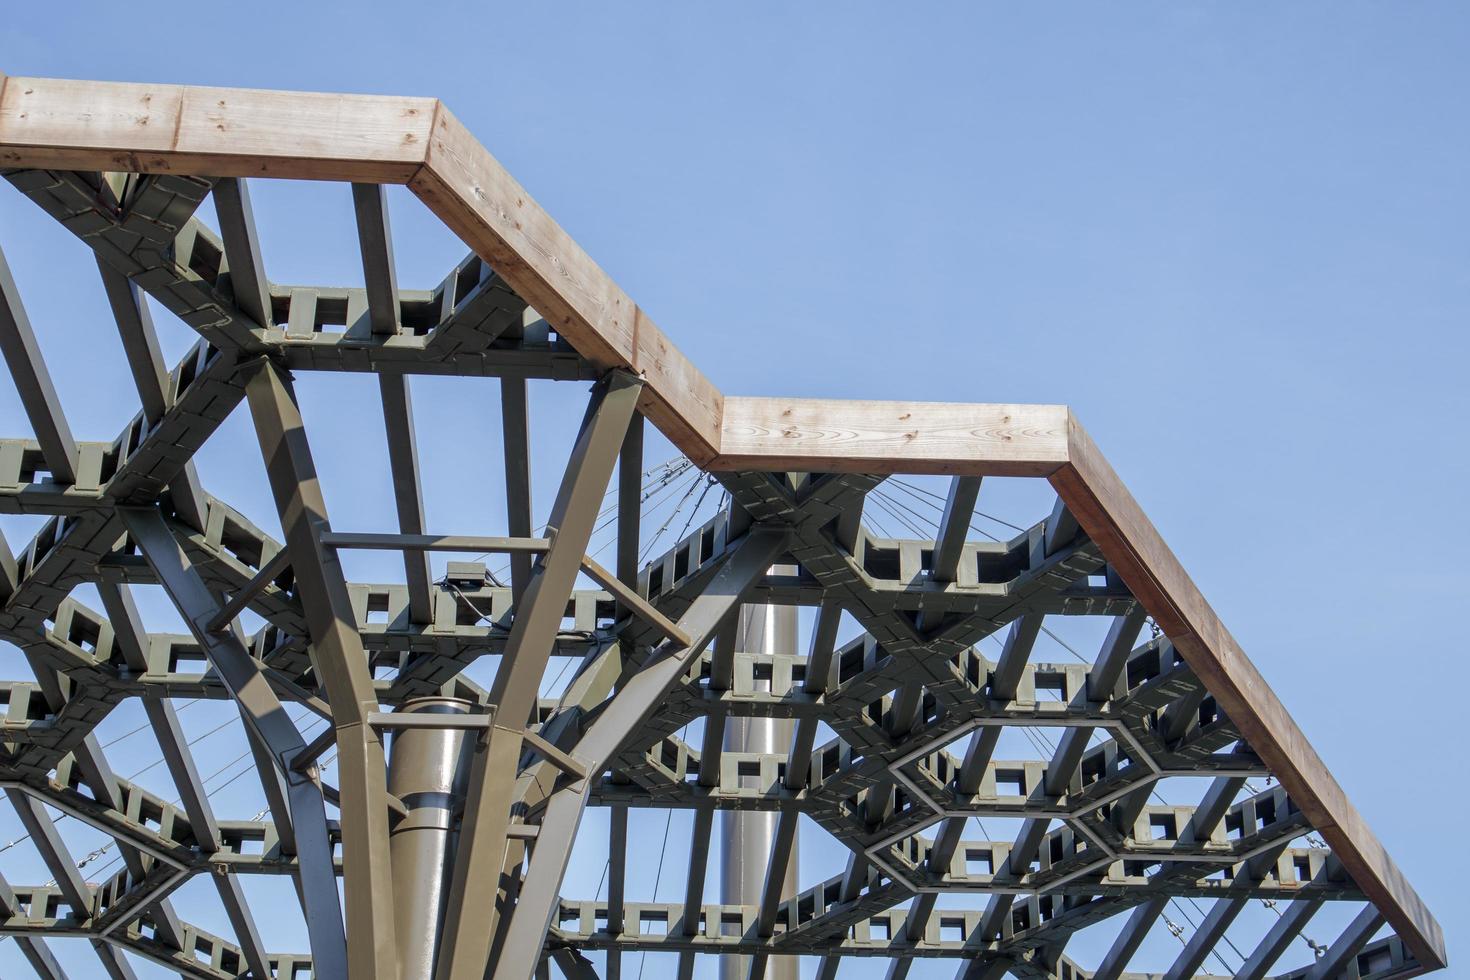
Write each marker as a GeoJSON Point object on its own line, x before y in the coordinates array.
{"type": "Point", "coordinates": [218, 132]}
{"type": "Point", "coordinates": [118, 126]}
{"type": "Point", "coordinates": [480, 201]}
{"type": "Point", "coordinates": [825, 435]}
{"type": "Point", "coordinates": [1112, 518]}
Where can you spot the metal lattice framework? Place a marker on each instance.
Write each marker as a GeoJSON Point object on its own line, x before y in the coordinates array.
{"type": "Point", "coordinates": [896, 731]}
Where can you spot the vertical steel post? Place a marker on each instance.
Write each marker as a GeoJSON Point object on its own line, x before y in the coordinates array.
{"type": "Point", "coordinates": [428, 769]}
{"type": "Point", "coordinates": [341, 666]}
{"type": "Point", "coordinates": [745, 845]}
{"type": "Point", "coordinates": [471, 921]}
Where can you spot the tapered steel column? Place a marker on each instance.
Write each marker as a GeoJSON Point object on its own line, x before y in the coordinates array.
{"type": "Point", "coordinates": [428, 769]}
{"type": "Point", "coordinates": [745, 845]}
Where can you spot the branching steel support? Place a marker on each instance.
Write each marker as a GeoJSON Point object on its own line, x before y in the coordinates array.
{"type": "Point", "coordinates": [341, 665]}
{"type": "Point", "coordinates": [638, 697]}
{"type": "Point", "coordinates": [467, 940]}
{"type": "Point", "coordinates": [301, 806]}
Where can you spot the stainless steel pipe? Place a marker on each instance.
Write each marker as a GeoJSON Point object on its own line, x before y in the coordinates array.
{"type": "Point", "coordinates": [428, 769]}
{"type": "Point", "coordinates": [745, 850]}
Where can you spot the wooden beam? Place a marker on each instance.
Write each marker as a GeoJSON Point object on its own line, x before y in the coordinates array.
{"type": "Point", "coordinates": [824, 435]}
{"type": "Point", "coordinates": [1113, 519]}
{"type": "Point", "coordinates": [225, 132]}
{"type": "Point", "coordinates": [479, 200]}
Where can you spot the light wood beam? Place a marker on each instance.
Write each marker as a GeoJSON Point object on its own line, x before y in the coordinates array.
{"type": "Point", "coordinates": [825, 435]}
{"type": "Point", "coordinates": [1112, 518]}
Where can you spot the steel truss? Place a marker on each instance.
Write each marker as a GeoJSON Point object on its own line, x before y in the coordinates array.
{"type": "Point", "coordinates": [914, 707]}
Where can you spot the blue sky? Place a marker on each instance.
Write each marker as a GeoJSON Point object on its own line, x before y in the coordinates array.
{"type": "Point", "coordinates": [1233, 237]}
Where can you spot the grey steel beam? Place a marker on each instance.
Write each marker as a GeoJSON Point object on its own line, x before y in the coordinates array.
{"type": "Point", "coordinates": [1107, 669]}
{"type": "Point", "coordinates": [637, 697]}
{"type": "Point", "coordinates": [139, 340]}
{"type": "Point", "coordinates": [516, 440]}
{"type": "Point", "coordinates": [704, 822]}
{"type": "Point", "coordinates": [33, 382]}
{"type": "Point", "coordinates": [99, 776]}
{"type": "Point", "coordinates": [408, 498]}
{"type": "Point", "coordinates": [630, 600]}
{"type": "Point", "coordinates": [570, 524]}
{"type": "Point", "coordinates": [617, 866]}
{"type": "Point", "coordinates": [1278, 938]}
{"type": "Point", "coordinates": [630, 501]}
{"type": "Point", "coordinates": [53, 850]}
{"type": "Point", "coordinates": [435, 542]}
{"type": "Point", "coordinates": [58, 860]}
{"type": "Point", "coordinates": [9, 571]}
{"type": "Point", "coordinates": [617, 873]}
{"type": "Point", "coordinates": [1014, 653]}
{"type": "Point", "coordinates": [370, 204]}
{"type": "Point", "coordinates": [1346, 946]}
{"type": "Point", "coordinates": [240, 601]}
{"type": "Point", "coordinates": [299, 805]}
{"type": "Point", "coordinates": [341, 665]}
{"type": "Point", "coordinates": [824, 641]}
{"type": "Point", "coordinates": [1061, 528]}
{"type": "Point", "coordinates": [1205, 938]}
{"type": "Point", "coordinates": [954, 526]}
{"type": "Point", "coordinates": [33, 948]}
{"type": "Point", "coordinates": [573, 965]}
{"type": "Point", "coordinates": [151, 378]}
{"type": "Point", "coordinates": [777, 872]}
{"type": "Point", "coordinates": [538, 616]}
{"type": "Point", "coordinates": [248, 282]}
{"type": "Point", "coordinates": [132, 638]}
{"type": "Point", "coordinates": [1130, 937]}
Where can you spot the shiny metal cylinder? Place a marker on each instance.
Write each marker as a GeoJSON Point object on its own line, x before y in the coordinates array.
{"type": "Point", "coordinates": [428, 769]}
{"type": "Point", "coordinates": [745, 847]}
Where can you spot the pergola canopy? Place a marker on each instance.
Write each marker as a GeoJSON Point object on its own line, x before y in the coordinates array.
{"type": "Point", "coordinates": [125, 166]}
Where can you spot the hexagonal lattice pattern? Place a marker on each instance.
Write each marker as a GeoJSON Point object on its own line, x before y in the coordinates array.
{"type": "Point", "coordinates": [1148, 776]}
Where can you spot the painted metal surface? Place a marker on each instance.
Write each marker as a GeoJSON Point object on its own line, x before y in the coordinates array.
{"type": "Point", "coordinates": [466, 833]}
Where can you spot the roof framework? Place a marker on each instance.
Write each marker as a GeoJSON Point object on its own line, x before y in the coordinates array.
{"type": "Point", "coordinates": [896, 730]}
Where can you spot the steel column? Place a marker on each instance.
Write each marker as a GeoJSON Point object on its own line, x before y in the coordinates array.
{"type": "Point", "coordinates": [538, 615]}
{"type": "Point", "coordinates": [341, 664]}
{"type": "Point", "coordinates": [428, 769]}
{"type": "Point", "coordinates": [748, 841]}
{"type": "Point", "coordinates": [637, 698]}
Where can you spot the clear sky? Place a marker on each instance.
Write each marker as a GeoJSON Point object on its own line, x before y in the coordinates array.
{"type": "Point", "coordinates": [1233, 237]}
